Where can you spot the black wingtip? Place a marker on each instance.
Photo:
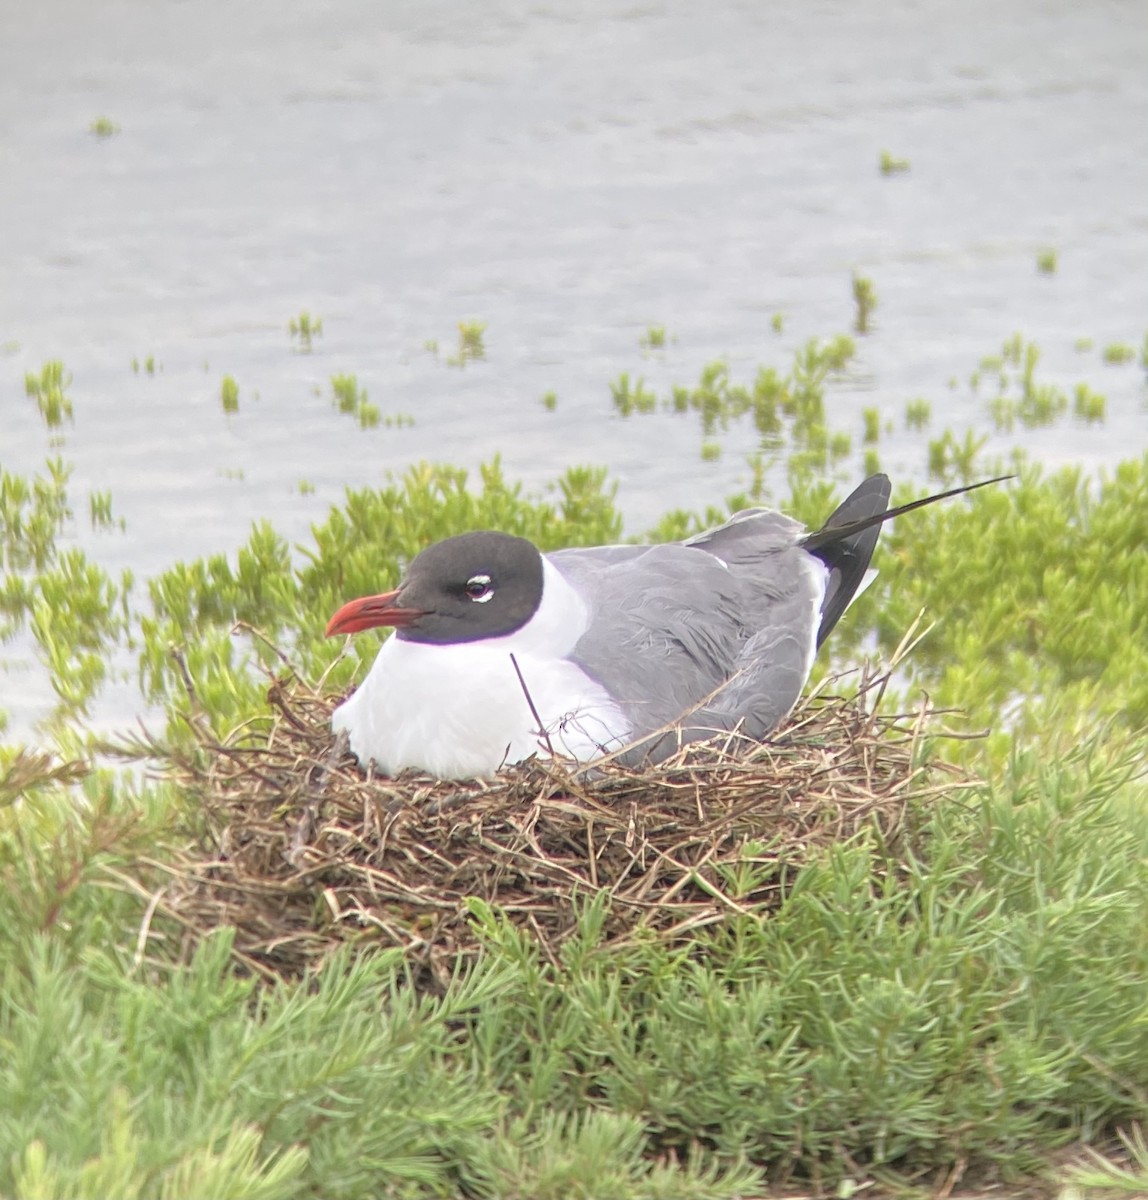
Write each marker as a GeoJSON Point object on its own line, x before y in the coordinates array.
{"type": "Point", "coordinates": [836, 531]}
{"type": "Point", "coordinates": [845, 543]}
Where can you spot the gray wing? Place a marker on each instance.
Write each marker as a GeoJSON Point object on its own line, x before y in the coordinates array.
{"type": "Point", "coordinates": [735, 609]}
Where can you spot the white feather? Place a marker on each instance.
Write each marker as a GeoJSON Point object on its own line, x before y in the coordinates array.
{"type": "Point", "coordinates": [459, 710]}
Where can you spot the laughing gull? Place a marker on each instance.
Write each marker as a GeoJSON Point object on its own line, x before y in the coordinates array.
{"type": "Point", "coordinates": [501, 652]}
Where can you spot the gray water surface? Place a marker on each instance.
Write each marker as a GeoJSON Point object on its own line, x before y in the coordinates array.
{"type": "Point", "coordinates": [569, 174]}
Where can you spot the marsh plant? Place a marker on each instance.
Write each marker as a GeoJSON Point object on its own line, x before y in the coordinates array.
{"type": "Point", "coordinates": [918, 413]}
{"type": "Point", "coordinates": [471, 344]}
{"type": "Point", "coordinates": [1118, 353]}
{"type": "Point", "coordinates": [864, 301]}
{"type": "Point", "coordinates": [872, 422]}
{"type": "Point", "coordinates": [1033, 403]}
{"type": "Point", "coordinates": [632, 396]}
{"type": "Point", "coordinates": [303, 330]}
{"type": "Point", "coordinates": [891, 165]}
{"type": "Point", "coordinates": [229, 395]}
{"type": "Point", "coordinates": [889, 1021]}
{"type": "Point", "coordinates": [550, 401]}
{"type": "Point", "coordinates": [654, 338]}
{"type": "Point", "coordinates": [103, 127]}
{"type": "Point", "coordinates": [348, 397]}
{"type": "Point", "coordinates": [1046, 261]}
{"type": "Point", "coordinates": [48, 389]}
{"type": "Point", "coordinates": [1087, 405]}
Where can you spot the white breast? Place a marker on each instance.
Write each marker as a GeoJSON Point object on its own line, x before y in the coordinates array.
{"type": "Point", "coordinates": [459, 711]}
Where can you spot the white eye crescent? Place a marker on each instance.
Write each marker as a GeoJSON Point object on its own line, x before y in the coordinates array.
{"type": "Point", "coordinates": [479, 588]}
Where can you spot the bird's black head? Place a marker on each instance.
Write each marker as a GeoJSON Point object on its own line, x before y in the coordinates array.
{"type": "Point", "coordinates": [462, 589]}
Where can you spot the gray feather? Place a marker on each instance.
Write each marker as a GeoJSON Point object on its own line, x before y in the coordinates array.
{"type": "Point", "coordinates": [732, 611]}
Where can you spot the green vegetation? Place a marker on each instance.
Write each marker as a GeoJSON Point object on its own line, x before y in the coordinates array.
{"type": "Point", "coordinates": [654, 338]}
{"type": "Point", "coordinates": [100, 511]}
{"type": "Point", "coordinates": [304, 329]}
{"type": "Point", "coordinates": [974, 997]}
{"type": "Point", "coordinates": [1034, 403]}
{"type": "Point", "coordinates": [103, 127]}
{"type": "Point", "coordinates": [48, 390]}
{"type": "Point", "coordinates": [777, 322]}
{"type": "Point", "coordinates": [872, 420]}
{"type": "Point", "coordinates": [1118, 353]}
{"type": "Point", "coordinates": [349, 398]}
{"type": "Point", "coordinates": [892, 166]}
{"type": "Point", "coordinates": [631, 398]}
{"type": "Point", "coordinates": [918, 413]}
{"type": "Point", "coordinates": [229, 395]}
{"type": "Point", "coordinates": [1088, 406]}
{"type": "Point", "coordinates": [865, 301]}
{"type": "Point", "coordinates": [1046, 261]}
{"type": "Point", "coordinates": [550, 401]}
{"type": "Point", "coordinates": [471, 347]}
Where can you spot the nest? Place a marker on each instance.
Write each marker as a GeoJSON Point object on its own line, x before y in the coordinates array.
{"type": "Point", "coordinates": [300, 850]}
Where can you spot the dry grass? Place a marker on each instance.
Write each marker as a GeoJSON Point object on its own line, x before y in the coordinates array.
{"type": "Point", "coordinates": [301, 850]}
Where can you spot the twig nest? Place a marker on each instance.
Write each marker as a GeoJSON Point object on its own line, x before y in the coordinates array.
{"type": "Point", "coordinates": [302, 850]}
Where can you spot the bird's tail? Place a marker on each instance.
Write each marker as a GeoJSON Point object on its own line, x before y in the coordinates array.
{"type": "Point", "coordinates": [845, 543]}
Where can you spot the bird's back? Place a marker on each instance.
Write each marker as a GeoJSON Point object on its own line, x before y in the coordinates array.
{"type": "Point", "coordinates": [734, 610]}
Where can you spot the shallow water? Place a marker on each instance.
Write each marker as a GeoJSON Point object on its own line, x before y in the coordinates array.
{"type": "Point", "coordinates": [570, 179]}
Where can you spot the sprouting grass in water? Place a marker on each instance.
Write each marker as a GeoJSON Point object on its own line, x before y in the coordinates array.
{"type": "Point", "coordinates": [103, 127]}
{"type": "Point", "coordinates": [1083, 344]}
{"type": "Point", "coordinates": [1118, 353]}
{"type": "Point", "coordinates": [73, 609]}
{"type": "Point", "coordinates": [711, 451]}
{"type": "Point", "coordinates": [918, 413]}
{"type": "Point", "coordinates": [872, 422]}
{"type": "Point", "coordinates": [100, 511]}
{"type": "Point", "coordinates": [48, 389]}
{"type": "Point", "coordinates": [1037, 404]}
{"type": "Point", "coordinates": [654, 338]}
{"type": "Point", "coordinates": [631, 396]}
{"type": "Point", "coordinates": [777, 322]}
{"type": "Point", "coordinates": [32, 516]}
{"type": "Point", "coordinates": [890, 165]}
{"type": "Point", "coordinates": [864, 301]}
{"type": "Point", "coordinates": [349, 398]}
{"type": "Point", "coordinates": [1046, 261]}
{"type": "Point", "coordinates": [1087, 405]}
{"type": "Point", "coordinates": [149, 365]}
{"type": "Point", "coordinates": [229, 394]}
{"type": "Point", "coordinates": [550, 401]}
{"type": "Point", "coordinates": [471, 344]}
{"type": "Point", "coordinates": [303, 330]}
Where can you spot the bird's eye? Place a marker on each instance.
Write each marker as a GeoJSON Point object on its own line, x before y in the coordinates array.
{"type": "Point", "coordinates": [479, 589]}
